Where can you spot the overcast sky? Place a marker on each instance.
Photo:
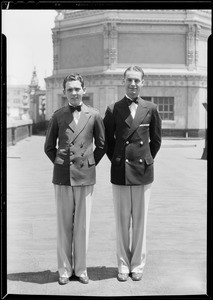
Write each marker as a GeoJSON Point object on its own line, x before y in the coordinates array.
{"type": "Point", "coordinates": [29, 44]}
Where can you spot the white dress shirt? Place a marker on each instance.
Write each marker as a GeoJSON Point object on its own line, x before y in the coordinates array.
{"type": "Point", "coordinates": [133, 107]}
{"type": "Point", "coordinates": [76, 114]}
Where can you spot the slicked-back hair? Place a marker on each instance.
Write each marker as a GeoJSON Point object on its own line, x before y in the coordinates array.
{"type": "Point", "coordinates": [73, 77]}
{"type": "Point", "coordinates": [135, 68]}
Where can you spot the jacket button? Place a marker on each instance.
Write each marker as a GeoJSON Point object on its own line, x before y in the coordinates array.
{"type": "Point", "coordinates": [127, 142]}
{"type": "Point", "coordinates": [140, 161]}
{"type": "Point", "coordinates": [141, 142]}
{"type": "Point", "coordinates": [71, 153]}
{"type": "Point", "coordinates": [127, 160]}
{"type": "Point", "coordinates": [71, 163]}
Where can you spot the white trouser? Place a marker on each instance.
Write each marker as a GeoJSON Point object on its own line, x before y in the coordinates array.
{"type": "Point", "coordinates": [131, 208]}
{"type": "Point", "coordinates": [73, 205]}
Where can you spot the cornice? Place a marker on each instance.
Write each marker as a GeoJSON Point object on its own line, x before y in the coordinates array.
{"type": "Point", "coordinates": [135, 16]}
{"type": "Point", "coordinates": [125, 27]}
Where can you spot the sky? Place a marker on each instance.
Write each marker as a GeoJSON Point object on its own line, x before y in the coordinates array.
{"type": "Point", "coordinates": [29, 44]}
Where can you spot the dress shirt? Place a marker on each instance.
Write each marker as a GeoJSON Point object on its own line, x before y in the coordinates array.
{"type": "Point", "coordinates": [133, 107]}
{"type": "Point", "coordinates": [76, 114]}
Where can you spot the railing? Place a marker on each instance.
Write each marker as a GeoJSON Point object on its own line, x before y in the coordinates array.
{"type": "Point", "coordinates": [18, 130]}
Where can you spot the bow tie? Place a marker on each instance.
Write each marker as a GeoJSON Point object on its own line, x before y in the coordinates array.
{"type": "Point", "coordinates": [73, 108]}
{"type": "Point", "coordinates": [129, 102]}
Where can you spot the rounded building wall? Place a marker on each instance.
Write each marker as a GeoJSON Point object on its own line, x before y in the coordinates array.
{"type": "Point", "coordinates": [171, 47]}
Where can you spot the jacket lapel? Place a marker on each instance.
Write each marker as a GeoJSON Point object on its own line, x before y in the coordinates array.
{"type": "Point", "coordinates": [124, 111]}
{"type": "Point", "coordinates": [68, 118]}
{"type": "Point", "coordinates": [141, 113]}
{"type": "Point", "coordinates": [84, 118]}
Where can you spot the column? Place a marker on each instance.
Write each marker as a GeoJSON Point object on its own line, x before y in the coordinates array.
{"type": "Point", "coordinates": [197, 36]}
{"type": "Point", "coordinates": [190, 48]}
{"type": "Point", "coordinates": [113, 44]}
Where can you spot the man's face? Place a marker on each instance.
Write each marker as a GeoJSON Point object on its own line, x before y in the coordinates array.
{"type": "Point", "coordinates": [74, 92]}
{"type": "Point", "coordinates": [133, 83]}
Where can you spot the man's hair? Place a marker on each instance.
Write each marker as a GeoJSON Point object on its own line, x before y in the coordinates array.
{"type": "Point", "coordinates": [135, 68]}
{"type": "Point", "coordinates": [73, 77]}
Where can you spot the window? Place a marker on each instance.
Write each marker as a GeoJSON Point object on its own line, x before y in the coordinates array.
{"type": "Point", "coordinates": [147, 98]}
{"type": "Point", "coordinates": [165, 106]}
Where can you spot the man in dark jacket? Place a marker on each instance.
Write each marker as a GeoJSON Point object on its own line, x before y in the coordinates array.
{"type": "Point", "coordinates": [133, 135]}
{"type": "Point", "coordinates": [69, 145]}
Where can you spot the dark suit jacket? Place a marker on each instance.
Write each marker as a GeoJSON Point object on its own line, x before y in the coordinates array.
{"type": "Point", "coordinates": [74, 159]}
{"type": "Point", "coordinates": [132, 144]}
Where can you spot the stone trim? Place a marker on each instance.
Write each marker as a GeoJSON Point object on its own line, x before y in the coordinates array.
{"type": "Point", "coordinates": [150, 80]}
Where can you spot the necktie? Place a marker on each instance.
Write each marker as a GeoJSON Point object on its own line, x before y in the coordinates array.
{"type": "Point", "coordinates": [73, 108]}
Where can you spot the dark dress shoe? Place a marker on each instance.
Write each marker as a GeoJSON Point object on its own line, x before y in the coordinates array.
{"type": "Point", "coordinates": [137, 276]}
{"type": "Point", "coordinates": [84, 279]}
{"type": "Point", "coordinates": [122, 276]}
{"type": "Point", "coordinates": [63, 280]}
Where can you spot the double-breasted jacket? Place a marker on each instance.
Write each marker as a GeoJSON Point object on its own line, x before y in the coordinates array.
{"type": "Point", "coordinates": [132, 143]}
{"type": "Point", "coordinates": [71, 147]}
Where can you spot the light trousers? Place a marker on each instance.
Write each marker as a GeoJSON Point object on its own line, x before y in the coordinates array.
{"type": "Point", "coordinates": [73, 207]}
{"type": "Point", "coordinates": [131, 209]}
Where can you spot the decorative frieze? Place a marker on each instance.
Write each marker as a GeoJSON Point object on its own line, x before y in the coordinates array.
{"type": "Point", "coordinates": [117, 80]}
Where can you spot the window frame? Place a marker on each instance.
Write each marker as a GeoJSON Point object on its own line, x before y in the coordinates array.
{"type": "Point", "coordinates": [167, 114]}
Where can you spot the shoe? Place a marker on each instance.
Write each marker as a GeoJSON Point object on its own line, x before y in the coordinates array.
{"type": "Point", "coordinates": [84, 279]}
{"type": "Point", "coordinates": [122, 276]}
{"type": "Point", "coordinates": [137, 276]}
{"type": "Point", "coordinates": [63, 280]}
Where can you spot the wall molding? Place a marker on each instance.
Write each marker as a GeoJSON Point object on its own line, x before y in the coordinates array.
{"type": "Point", "coordinates": [150, 81]}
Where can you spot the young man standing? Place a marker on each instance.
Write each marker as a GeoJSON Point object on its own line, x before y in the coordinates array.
{"type": "Point", "coordinates": [69, 145]}
{"type": "Point", "coordinates": [133, 135]}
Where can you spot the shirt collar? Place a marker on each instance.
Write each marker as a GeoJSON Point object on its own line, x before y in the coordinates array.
{"type": "Point", "coordinates": [80, 104]}
{"type": "Point", "coordinates": [131, 99]}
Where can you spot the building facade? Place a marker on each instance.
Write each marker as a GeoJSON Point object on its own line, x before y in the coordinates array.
{"type": "Point", "coordinates": [170, 45]}
{"type": "Point", "coordinates": [26, 101]}
{"type": "Point", "coordinates": [17, 101]}
{"type": "Point", "coordinates": [37, 100]}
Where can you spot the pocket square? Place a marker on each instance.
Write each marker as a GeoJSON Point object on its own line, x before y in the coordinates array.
{"type": "Point", "coordinates": [143, 125]}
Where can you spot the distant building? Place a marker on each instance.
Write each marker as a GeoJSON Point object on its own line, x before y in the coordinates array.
{"type": "Point", "coordinates": [18, 101]}
{"type": "Point", "coordinates": [37, 100]}
{"type": "Point", "coordinates": [170, 45]}
{"type": "Point", "coordinates": [26, 101]}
